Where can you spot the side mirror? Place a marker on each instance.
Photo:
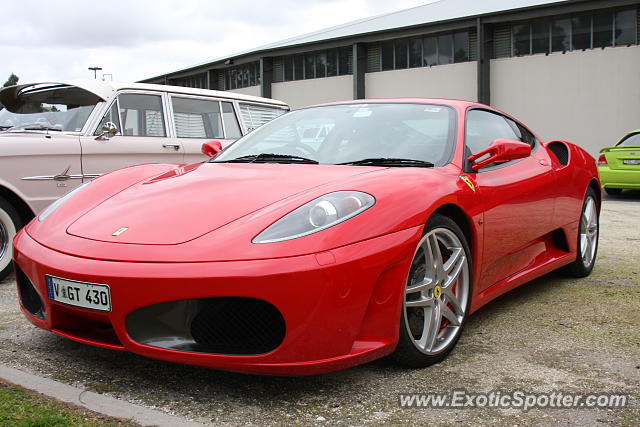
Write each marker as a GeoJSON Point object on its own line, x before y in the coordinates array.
{"type": "Point", "coordinates": [500, 150]}
{"type": "Point", "coordinates": [212, 148]}
{"type": "Point", "coordinates": [108, 130]}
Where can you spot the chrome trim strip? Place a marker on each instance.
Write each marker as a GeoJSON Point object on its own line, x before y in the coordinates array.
{"type": "Point", "coordinates": [59, 177]}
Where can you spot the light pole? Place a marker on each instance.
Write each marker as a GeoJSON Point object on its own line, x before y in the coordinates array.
{"type": "Point", "coordinates": [95, 71]}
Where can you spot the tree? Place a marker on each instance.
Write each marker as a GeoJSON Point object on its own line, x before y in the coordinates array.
{"type": "Point", "coordinates": [12, 80]}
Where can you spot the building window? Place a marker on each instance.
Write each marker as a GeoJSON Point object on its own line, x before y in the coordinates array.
{"type": "Point", "coordinates": [415, 53]}
{"type": "Point", "coordinates": [195, 81]}
{"type": "Point", "coordinates": [309, 66]}
{"type": "Point", "coordinates": [625, 22]}
{"type": "Point", "coordinates": [445, 49]}
{"type": "Point", "coordinates": [521, 39]}
{"type": "Point", "coordinates": [322, 63]}
{"type": "Point", "coordinates": [603, 29]}
{"type": "Point", "coordinates": [387, 55]}
{"type": "Point", "coordinates": [599, 29]}
{"type": "Point", "coordinates": [560, 35]}
{"type": "Point", "coordinates": [401, 54]}
{"type": "Point", "coordinates": [581, 32]}
{"type": "Point", "coordinates": [242, 76]}
{"type": "Point", "coordinates": [540, 36]}
{"type": "Point", "coordinates": [438, 49]}
{"type": "Point", "coordinates": [430, 51]}
{"type": "Point", "coordinates": [344, 60]}
{"type": "Point", "coordinates": [462, 47]}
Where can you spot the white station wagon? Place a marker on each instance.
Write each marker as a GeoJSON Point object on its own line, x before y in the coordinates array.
{"type": "Point", "coordinates": [54, 136]}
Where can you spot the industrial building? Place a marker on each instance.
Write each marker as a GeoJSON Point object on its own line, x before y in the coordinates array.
{"type": "Point", "coordinates": [568, 69]}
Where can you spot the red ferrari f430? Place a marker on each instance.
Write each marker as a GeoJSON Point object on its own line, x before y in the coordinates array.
{"type": "Point", "coordinates": [329, 237]}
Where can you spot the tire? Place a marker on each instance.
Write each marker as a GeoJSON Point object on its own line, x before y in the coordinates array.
{"type": "Point", "coordinates": [588, 233]}
{"type": "Point", "coordinates": [10, 223]}
{"type": "Point", "coordinates": [434, 291]}
{"type": "Point", "coordinates": [613, 191]}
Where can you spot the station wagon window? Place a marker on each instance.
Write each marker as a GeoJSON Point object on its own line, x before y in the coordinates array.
{"type": "Point", "coordinates": [230, 121]}
{"type": "Point", "coordinates": [142, 115]}
{"type": "Point", "coordinates": [255, 116]}
{"type": "Point", "coordinates": [111, 116]}
{"type": "Point", "coordinates": [197, 118]}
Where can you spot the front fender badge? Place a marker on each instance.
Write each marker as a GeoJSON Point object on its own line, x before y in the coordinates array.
{"type": "Point", "coordinates": [120, 231]}
{"type": "Point", "coordinates": [468, 181]}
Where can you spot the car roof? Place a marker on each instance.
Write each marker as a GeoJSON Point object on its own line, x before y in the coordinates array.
{"type": "Point", "coordinates": [104, 90]}
{"type": "Point", "coordinates": [451, 102]}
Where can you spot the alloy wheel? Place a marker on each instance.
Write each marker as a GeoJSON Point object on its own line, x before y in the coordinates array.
{"type": "Point", "coordinates": [589, 232]}
{"type": "Point", "coordinates": [437, 291]}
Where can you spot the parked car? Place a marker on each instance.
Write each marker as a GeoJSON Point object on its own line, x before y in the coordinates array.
{"type": "Point", "coordinates": [619, 166]}
{"type": "Point", "coordinates": [58, 135]}
{"type": "Point", "coordinates": [277, 257]}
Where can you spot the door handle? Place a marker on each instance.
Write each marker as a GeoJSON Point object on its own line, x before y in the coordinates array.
{"type": "Point", "coordinates": [174, 146]}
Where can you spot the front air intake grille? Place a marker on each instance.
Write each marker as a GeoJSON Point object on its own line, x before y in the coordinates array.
{"type": "Point", "coordinates": [223, 325]}
{"type": "Point", "coordinates": [234, 325]}
{"type": "Point", "coordinates": [29, 297]}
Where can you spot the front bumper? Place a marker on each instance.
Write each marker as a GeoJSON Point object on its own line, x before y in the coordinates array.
{"type": "Point", "coordinates": [619, 178]}
{"type": "Point", "coordinates": [341, 307]}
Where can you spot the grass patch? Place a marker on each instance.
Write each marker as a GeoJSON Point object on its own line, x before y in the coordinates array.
{"type": "Point", "coordinates": [23, 408]}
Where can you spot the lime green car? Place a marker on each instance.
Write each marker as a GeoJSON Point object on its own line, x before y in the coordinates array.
{"type": "Point", "coordinates": [619, 166]}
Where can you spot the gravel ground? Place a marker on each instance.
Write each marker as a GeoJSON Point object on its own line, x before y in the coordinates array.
{"type": "Point", "coordinates": [551, 334]}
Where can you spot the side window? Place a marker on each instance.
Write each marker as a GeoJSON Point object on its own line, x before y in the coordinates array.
{"type": "Point", "coordinates": [484, 127]}
{"type": "Point", "coordinates": [255, 116]}
{"type": "Point", "coordinates": [197, 118]}
{"type": "Point", "coordinates": [522, 133]}
{"type": "Point", "coordinates": [230, 121]}
{"type": "Point", "coordinates": [110, 116]}
{"type": "Point", "coordinates": [142, 115]}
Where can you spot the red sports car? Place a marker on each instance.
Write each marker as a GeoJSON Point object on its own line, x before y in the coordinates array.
{"type": "Point", "coordinates": [288, 254]}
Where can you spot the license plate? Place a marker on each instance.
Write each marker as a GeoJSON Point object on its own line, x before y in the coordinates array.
{"type": "Point", "coordinates": [631, 161]}
{"type": "Point", "coordinates": [80, 294]}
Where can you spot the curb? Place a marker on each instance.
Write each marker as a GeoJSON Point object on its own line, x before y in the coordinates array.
{"type": "Point", "coordinates": [96, 402]}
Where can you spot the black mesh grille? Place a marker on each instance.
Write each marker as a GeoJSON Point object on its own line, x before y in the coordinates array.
{"type": "Point", "coordinates": [234, 325]}
{"type": "Point", "coordinates": [28, 296]}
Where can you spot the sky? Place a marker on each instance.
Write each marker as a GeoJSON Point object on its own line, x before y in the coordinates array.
{"type": "Point", "coordinates": [136, 39]}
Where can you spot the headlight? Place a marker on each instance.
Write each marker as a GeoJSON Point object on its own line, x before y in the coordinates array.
{"type": "Point", "coordinates": [55, 205]}
{"type": "Point", "coordinates": [317, 215]}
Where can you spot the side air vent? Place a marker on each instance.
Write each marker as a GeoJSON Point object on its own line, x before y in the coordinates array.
{"type": "Point", "coordinates": [560, 150]}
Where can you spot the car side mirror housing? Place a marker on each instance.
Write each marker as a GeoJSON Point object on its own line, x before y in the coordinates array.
{"type": "Point", "coordinates": [500, 150]}
{"type": "Point", "coordinates": [212, 148]}
{"type": "Point", "coordinates": [108, 130]}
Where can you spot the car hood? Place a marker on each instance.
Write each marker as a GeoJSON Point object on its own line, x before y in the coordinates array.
{"type": "Point", "coordinates": [188, 202]}
{"type": "Point", "coordinates": [89, 91]}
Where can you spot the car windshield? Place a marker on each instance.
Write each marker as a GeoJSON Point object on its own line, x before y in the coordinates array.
{"type": "Point", "coordinates": [631, 141]}
{"type": "Point", "coordinates": [63, 109]}
{"type": "Point", "coordinates": [393, 134]}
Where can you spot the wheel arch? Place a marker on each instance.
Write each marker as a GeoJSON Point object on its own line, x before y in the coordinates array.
{"type": "Point", "coordinates": [23, 209]}
{"type": "Point", "coordinates": [457, 215]}
{"type": "Point", "coordinates": [595, 186]}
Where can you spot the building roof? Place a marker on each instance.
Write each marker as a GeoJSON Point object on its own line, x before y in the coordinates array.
{"type": "Point", "coordinates": [435, 11]}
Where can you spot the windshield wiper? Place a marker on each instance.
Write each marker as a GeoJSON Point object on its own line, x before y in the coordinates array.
{"type": "Point", "coordinates": [390, 161]}
{"type": "Point", "coordinates": [269, 158]}
{"type": "Point", "coordinates": [41, 127]}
